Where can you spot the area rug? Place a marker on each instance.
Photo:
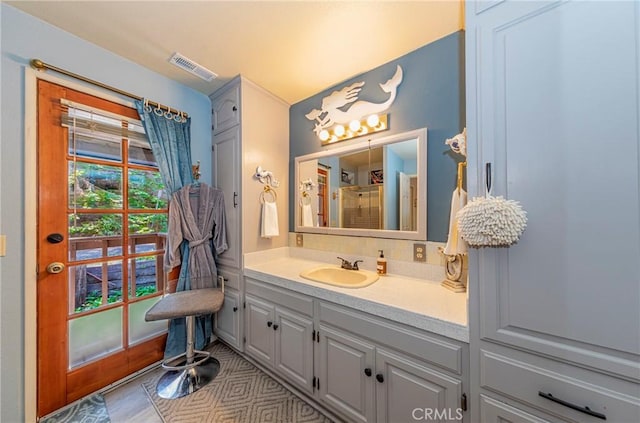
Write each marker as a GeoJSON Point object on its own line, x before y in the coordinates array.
{"type": "Point", "coordinates": [240, 393]}
{"type": "Point", "coordinates": [88, 410]}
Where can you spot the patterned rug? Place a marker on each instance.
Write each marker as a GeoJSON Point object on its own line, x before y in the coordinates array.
{"type": "Point", "coordinates": [87, 410]}
{"type": "Point", "coordinates": [240, 393]}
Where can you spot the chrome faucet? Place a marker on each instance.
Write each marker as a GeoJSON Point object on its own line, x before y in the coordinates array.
{"type": "Point", "coordinates": [348, 266]}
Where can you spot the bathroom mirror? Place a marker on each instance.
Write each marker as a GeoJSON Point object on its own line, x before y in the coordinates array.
{"type": "Point", "coordinates": [373, 188]}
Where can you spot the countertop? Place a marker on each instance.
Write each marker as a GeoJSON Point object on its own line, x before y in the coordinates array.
{"type": "Point", "coordinates": [416, 302]}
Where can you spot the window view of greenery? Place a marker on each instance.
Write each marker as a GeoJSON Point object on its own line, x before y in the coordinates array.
{"type": "Point", "coordinates": [97, 193]}
{"type": "Point", "coordinates": [94, 299]}
{"type": "Point", "coordinates": [94, 186]}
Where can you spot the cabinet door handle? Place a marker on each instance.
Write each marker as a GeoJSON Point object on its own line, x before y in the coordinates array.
{"type": "Point", "coordinates": [269, 324]}
{"type": "Point", "coordinates": [379, 377]}
{"type": "Point", "coordinates": [235, 200]}
{"type": "Point", "coordinates": [234, 108]}
{"type": "Point", "coordinates": [585, 410]}
{"type": "Point", "coordinates": [235, 309]}
{"type": "Point", "coordinates": [275, 327]}
{"type": "Point", "coordinates": [367, 372]}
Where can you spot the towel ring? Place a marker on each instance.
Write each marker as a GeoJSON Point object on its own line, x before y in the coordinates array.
{"type": "Point", "coordinates": [268, 190]}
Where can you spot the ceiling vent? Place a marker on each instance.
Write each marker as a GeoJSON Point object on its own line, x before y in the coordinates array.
{"type": "Point", "coordinates": [192, 67]}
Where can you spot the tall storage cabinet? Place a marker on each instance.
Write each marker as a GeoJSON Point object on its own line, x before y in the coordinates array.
{"type": "Point", "coordinates": [552, 104]}
{"type": "Point", "coordinates": [250, 129]}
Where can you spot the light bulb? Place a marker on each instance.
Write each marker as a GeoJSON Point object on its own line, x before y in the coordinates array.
{"type": "Point", "coordinates": [323, 135]}
{"type": "Point", "coordinates": [373, 121]}
{"type": "Point", "coordinates": [354, 125]}
{"type": "Point", "coordinates": [339, 130]}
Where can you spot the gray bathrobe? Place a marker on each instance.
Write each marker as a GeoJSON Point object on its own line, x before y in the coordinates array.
{"type": "Point", "coordinates": [196, 215]}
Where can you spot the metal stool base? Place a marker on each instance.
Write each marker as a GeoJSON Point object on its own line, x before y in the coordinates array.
{"type": "Point", "coordinates": [179, 383]}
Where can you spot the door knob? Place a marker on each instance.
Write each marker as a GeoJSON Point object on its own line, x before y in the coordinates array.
{"type": "Point", "coordinates": [367, 372]}
{"type": "Point", "coordinates": [55, 267]}
{"type": "Point", "coordinates": [379, 377]}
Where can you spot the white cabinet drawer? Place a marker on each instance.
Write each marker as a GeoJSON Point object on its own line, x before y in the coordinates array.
{"type": "Point", "coordinates": [560, 389]}
{"type": "Point", "coordinates": [294, 301]}
{"type": "Point", "coordinates": [493, 411]}
{"type": "Point", "coordinates": [425, 346]}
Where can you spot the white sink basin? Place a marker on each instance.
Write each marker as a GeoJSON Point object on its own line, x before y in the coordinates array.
{"type": "Point", "coordinates": [337, 276]}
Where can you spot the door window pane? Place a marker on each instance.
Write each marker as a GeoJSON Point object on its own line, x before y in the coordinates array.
{"type": "Point", "coordinates": [94, 285]}
{"type": "Point", "coordinates": [140, 152]}
{"type": "Point", "coordinates": [86, 145]}
{"type": "Point", "coordinates": [93, 186]}
{"type": "Point", "coordinates": [94, 236]}
{"type": "Point", "coordinates": [146, 276]}
{"type": "Point", "coordinates": [146, 190]}
{"type": "Point", "coordinates": [139, 329]}
{"type": "Point", "coordinates": [94, 336]}
{"type": "Point", "coordinates": [144, 230]}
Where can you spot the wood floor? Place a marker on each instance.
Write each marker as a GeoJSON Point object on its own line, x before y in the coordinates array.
{"type": "Point", "coordinates": [129, 403]}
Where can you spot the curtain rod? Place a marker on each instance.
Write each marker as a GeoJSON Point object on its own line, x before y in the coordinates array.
{"type": "Point", "coordinates": [42, 66]}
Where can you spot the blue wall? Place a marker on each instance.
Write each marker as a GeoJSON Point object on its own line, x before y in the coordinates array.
{"type": "Point", "coordinates": [23, 38]}
{"type": "Point", "coordinates": [431, 95]}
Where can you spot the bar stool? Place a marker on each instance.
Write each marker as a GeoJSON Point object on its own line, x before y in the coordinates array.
{"type": "Point", "coordinates": [193, 369]}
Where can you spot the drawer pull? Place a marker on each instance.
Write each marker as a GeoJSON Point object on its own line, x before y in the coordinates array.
{"type": "Point", "coordinates": [585, 410]}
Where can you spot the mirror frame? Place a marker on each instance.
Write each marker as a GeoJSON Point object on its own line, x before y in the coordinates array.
{"type": "Point", "coordinates": [421, 234]}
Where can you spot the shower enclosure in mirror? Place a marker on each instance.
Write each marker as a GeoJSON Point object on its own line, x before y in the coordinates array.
{"type": "Point", "coordinates": [374, 188]}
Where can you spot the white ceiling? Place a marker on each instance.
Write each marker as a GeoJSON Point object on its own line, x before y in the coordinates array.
{"type": "Point", "coordinates": [294, 49]}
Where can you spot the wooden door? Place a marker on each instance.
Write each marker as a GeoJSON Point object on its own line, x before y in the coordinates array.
{"type": "Point", "coordinates": [346, 375]}
{"type": "Point", "coordinates": [323, 197]}
{"type": "Point", "coordinates": [294, 348]}
{"type": "Point", "coordinates": [95, 235]}
{"type": "Point", "coordinates": [405, 202]}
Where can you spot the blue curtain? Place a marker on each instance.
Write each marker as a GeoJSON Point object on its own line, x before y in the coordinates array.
{"type": "Point", "coordinates": [170, 139]}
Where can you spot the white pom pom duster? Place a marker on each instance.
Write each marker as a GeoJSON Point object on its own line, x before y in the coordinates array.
{"type": "Point", "coordinates": [491, 222]}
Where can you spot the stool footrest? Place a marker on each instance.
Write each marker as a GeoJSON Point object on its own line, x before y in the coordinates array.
{"type": "Point", "coordinates": [199, 357]}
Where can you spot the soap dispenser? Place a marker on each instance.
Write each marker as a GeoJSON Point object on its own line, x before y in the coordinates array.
{"type": "Point", "coordinates": [381, 264]}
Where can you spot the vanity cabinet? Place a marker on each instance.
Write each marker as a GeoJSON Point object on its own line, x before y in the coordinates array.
{"type": "Point", "coordinates": [249, 124]}
{"type": "Point", "coordinates": [279, 332]}
{"type": "Point", "coordinates": [555, 318]}
{"type": "Point", "coordinates": [228, 320]}
{"type": "Point", "coordinates": [372, 371]}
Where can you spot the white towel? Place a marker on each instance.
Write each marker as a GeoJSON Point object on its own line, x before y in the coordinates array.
{"type": "Point", "coordinates": [307, 213]}
{"type": "Point", "coordinates": [455, 243]}
{"type": "Point", "coordinates": [269, 220]}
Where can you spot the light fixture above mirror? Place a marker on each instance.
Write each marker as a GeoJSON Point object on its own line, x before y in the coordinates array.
{"type": "Point", "coordinates": [356, 128]}
{"type": "Point", "coordinates": [334, 123]}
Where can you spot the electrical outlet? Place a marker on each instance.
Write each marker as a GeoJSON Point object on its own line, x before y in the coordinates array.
{"type": "Point", "coordinates": [420, 252]}
{"type": "Point", "coordinates": [299, 240]}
